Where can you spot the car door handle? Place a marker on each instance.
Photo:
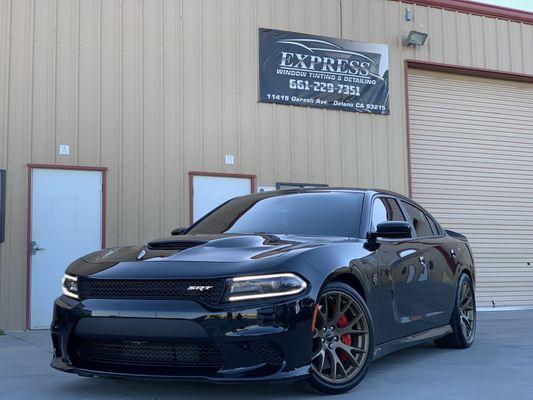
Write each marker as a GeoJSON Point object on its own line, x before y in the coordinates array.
{"type": "Point", "coordinates": [453, 254]}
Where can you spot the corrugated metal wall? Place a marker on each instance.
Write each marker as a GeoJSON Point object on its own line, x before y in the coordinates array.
{"type": "Point", "coordinates": [152, 89]}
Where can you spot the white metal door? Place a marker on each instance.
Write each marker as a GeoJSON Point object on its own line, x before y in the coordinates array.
{"type": "Point", "coordinates": [472, 167]}
{"type": "Point", "coordinates": [66, 223]}
{"type": "Point", "coordinates": [211, 191]}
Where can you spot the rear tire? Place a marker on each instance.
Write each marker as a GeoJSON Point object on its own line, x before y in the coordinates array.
{"type": "Point", "coordinates": [464, 320]}
{"type": "Point", "coordinates": [343, 341]}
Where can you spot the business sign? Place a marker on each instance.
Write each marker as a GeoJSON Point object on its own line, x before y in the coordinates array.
{"type": "Point", "coordinates": [317, 71]}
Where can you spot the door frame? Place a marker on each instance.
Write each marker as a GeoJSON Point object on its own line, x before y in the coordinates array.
{"type": "Point", "coordinates": [192, 174]}
{"type": "Point", "coordinates": [31, 167]}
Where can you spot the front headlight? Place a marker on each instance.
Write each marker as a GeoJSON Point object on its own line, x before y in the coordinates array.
{"type": "Point", "coordinates": [70, 286]}
{"type": "Point", "coordinates": [263, 286]}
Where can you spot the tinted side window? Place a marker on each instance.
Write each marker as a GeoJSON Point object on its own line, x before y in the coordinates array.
{"type": "Point", "coordinates": [434, 226]}
{"type": "Point", "coordinates": [386, 209]}
{"type": "Point", "coordinates": [419, 220]}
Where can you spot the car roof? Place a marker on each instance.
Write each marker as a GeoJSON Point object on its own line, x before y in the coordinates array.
{"type": "Point", "coordinates": [338, 189]}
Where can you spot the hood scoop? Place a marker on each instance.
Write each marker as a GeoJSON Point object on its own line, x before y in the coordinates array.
{"type": "Point", "coordinates": [173, 244]}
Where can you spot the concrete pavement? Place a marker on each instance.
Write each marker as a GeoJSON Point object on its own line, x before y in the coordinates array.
{"type": "Point", "coordinates": [498, 366]}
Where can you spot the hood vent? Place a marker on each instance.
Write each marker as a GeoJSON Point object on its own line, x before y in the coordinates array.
{"type": "Point", "coordinates": [173, 245]}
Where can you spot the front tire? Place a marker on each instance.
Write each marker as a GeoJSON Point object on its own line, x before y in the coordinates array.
{"type": "Point", "coordinates": [464, 320]}
{"type": "Point", "coordinates": [343, 341]}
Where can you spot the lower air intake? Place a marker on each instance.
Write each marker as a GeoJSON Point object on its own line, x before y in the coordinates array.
{"type": "Point", "coordinates": [269, 352]}
{"type": "Point", "coordinates": [159, 354]}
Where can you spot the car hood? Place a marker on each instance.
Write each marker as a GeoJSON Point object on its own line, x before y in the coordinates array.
{"type": "Point", "coordinates": [197, 256]}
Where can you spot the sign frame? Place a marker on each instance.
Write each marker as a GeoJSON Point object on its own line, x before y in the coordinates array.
{"type": "Point", "coordinates": [323, 72]}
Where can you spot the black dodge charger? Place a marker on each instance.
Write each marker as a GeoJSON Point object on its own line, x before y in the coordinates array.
{"type": "Point", "coordinates": [303, 285]}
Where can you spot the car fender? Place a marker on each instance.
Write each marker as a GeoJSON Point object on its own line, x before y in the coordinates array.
{"type": "Point", "coordinates": [338, 261]}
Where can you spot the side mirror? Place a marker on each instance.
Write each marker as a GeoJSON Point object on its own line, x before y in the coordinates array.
{"type": "Point", "coordinates": [179, 231]}
{"type": "Point", "coordinates": [392, 230]}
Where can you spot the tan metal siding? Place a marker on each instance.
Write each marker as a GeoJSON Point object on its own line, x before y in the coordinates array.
{"type": "Point", "coordinates": [472, 167]}
{"type": "Point", "coordinates": [153, 89]}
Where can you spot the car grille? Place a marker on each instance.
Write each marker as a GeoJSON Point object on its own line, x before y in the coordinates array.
{"type": "Point", "coordinates": [203, 290]}
{"type": "Point", "coordinates": [160, 354]}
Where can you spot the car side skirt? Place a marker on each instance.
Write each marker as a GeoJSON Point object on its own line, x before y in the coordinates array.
{"type": "Point", "coordinates": [411, 340]}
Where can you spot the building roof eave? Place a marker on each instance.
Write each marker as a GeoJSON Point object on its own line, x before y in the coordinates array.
{"type": "Point", "coordinates": [477, 8]}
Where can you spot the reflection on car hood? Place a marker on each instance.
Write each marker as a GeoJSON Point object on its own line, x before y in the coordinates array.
{"type": "Point", "coordinates": [189, 250]}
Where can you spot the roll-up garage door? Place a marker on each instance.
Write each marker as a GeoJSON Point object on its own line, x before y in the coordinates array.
{"type": "Point", "coordinates": [471, 149]}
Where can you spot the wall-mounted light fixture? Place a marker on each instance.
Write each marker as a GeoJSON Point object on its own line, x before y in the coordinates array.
{"type": "Point", "coordinates": [408, 14]}
{"type": "Point", "coordinates": [415, 38]}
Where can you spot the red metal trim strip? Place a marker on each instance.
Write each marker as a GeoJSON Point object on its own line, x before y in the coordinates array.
{"type": "Point", "coordinates": [103, 170]}
{"type": "Point", "coordinates": [470, 71]}
{"type": "Point", "coordinates": [70, 167]}
{"type": "Point", "coordinates": [474, 7]}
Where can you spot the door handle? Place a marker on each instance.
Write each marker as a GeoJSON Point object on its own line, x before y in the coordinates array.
{"type": "Point", "coordinates": [454, 256]}
{"type": "Point", "coordinates": [34, 248]}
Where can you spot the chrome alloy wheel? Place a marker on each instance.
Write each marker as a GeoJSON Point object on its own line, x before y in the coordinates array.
{"type": "Point", "coordinates": [467, 310]}
{"type": "Point", "coordinates": [341, 338]}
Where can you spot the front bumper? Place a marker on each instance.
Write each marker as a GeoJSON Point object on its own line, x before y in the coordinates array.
{"type": "Point", "coordinates": [183, 339]}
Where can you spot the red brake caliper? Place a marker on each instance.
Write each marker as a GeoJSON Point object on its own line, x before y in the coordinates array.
{"type": "Point", "coordinates": [346, 338]}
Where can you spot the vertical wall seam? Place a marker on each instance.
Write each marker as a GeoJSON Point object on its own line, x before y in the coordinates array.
{"type": "Point", "coordinates": [457, 33]}
{"type": "Point", "coordinates": [256, 106]}
{"type": "Point", "coordinates": [31, 89]}
{"type": "Point", "coordinates": [238, 47]}
{"type": "Point", "coordinates": [162, 187]}
{"type": "Point", "coordinates": [220, 162]}
{"type": "Point", "coordinates": [470, 39]}
{"type": "Point", "coordinates": [292, 151]}
{"type": "Point", "coordinates": [54, 116]}
{"type": "Point", "coordinates": [372, 117]}
{"type": "Point", "coordinates": [140, 21]}
{"type": "Point", "coordinates": [341, 141]}
{"type": "Point", "coordinates": [202, 62]}
{"type": "Point", "coordinates": [340, 19]}
{"type": "Point", "coordinates": [274, 108]}
{"type": "Point", "coordinates": [77, 96]}
{"type": "Point", "coordinates": [121, 145]}
{"type": "Point", "coordinates": [483, 27]}
{"type": "Point", "coordinates": [444, 51]}
{"type": "Point", "coordinates": [522, 52]}
{"type": "Point", "coordinates": [100, 50]}
{"type": "Point", "coordinates": [324, 129]}
{"type": "Point", "coordinates": [509, 37]}
{"type": "Point", "coordinates": [182, 216]}
{"type": "Point", "coordinates": [256, 110]}
{"type": "Point", "coordinates": [307, 110]}
{"type": "Point", "coordinates": [390, 179]}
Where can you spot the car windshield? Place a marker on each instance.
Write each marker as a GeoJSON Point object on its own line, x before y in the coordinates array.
{"type": "Point", "coordinates": [309, 213]}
